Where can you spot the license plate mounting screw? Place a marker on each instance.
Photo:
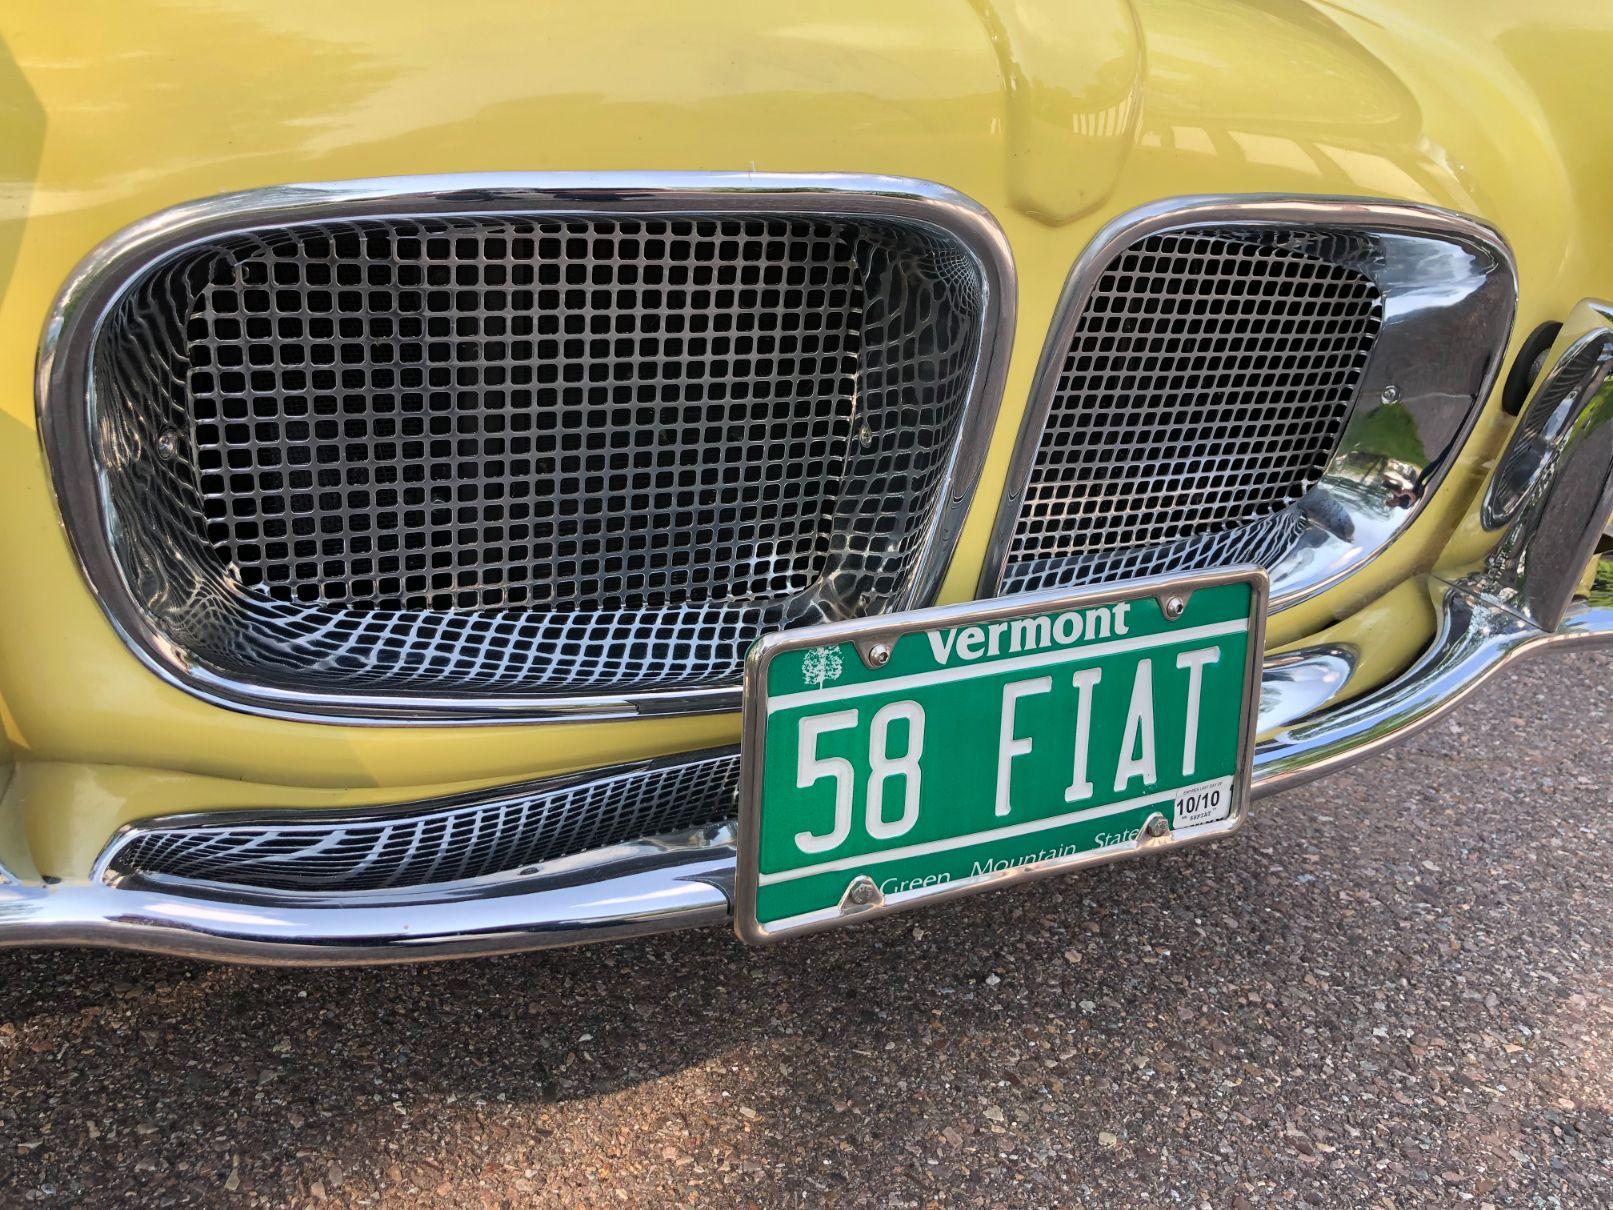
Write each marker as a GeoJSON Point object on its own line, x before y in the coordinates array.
{"type": "Point", "coordinates": [879, 655]}
{"type": "Point", "coordinates": [861, 893]}
{"type": "Point", "coordinates": [1156, 826]}
{"type": "Point", "coordinates": [1174, 606]}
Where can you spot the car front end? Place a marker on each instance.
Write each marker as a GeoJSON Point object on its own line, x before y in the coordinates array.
{"type": "Point", "coordinates": [411, 424]}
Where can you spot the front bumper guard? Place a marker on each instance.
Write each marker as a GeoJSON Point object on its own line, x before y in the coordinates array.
{"type": "Point", "coordinates": [1544, 512]}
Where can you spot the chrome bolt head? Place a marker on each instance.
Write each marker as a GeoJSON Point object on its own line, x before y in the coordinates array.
{"type": "Point", "coordinates": [1156, 826]}
{"type": "Point", "coordinates": [865, 436]}
{"type": "Point", "coordinates": [1174, 607]}
{"type": "Point", "coordinates": [862, 891]}
{"type": "Point", "coordinates": [168, 445]}
{"type": "Point", "coordinates": [879, 655]}
{"type": "Point", "coordinates": [1391, 393]}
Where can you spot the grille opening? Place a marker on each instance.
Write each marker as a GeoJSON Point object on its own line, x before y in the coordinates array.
{"type": "Point", "coordinates": [1206, 387]}
{"type": "Point", "coordinates": [522, 414]}
{"type": "Point", "coordinates": [505, 454]}
{"type": "Point", "coordinates": [474, 835]}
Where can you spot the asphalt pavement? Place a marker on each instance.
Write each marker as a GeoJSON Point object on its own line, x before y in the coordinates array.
{"type": "Point", "coordinates": [1392, 989]}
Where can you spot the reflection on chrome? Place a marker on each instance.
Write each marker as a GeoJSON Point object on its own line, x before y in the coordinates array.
{"type": "Point", "coordinates": [1549, 503]}
{"type": "Point", "coordinates": [1448, 291]}
{"type": "Point", "coordinates": [1297, 683]}
{"type": "Point", "coordinates": [1554, 476]}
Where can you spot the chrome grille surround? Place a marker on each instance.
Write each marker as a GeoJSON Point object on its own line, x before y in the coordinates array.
{"type": "Point", "coordinates": [513, 447]}
{"type": "Point", "coordinates": [1270, 380]}
{"type": "Point", "coordinates": [505, 830]}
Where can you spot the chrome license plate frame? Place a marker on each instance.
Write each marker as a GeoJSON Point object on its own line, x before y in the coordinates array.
{"type": "Point", "coordinates": [873, 643]}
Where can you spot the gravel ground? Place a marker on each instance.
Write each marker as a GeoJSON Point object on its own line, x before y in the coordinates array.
{"type": "Point", "coordinates": [1393, 988]}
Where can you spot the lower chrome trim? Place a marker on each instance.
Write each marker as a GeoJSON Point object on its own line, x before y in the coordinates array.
{"type": "Point", "coordinates": [1518, 599]}
{"type": "Point", "coordinates": [1476, 640]}
{"type": "Point", "coordinates": [660, 885]}
{"type": "Point", "coordinates": [626, 891]}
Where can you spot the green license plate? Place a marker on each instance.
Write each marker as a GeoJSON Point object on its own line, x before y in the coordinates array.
{"type": "Point", "coordinates": [892, 761]}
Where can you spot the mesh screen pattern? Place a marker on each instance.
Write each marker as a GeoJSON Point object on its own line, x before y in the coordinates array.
{"type": "Point", "coordinates": [483, 454]}
{"type": "Point", "coordinates": [469, 837]}
{"type": "Point", "coordinates": [1206, 386]}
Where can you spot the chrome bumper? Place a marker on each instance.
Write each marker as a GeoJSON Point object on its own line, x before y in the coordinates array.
{"type": "Point", "coordinates": [1544, 511]}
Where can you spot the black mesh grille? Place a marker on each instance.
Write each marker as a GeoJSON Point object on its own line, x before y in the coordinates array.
{"type": "Point", "coordinates": [472, 836]}
{"type": "Point", "coordinates": [568, 414]}
{"type": "Point", "coordinates": [1205, 388]}
{"type": "Point", "coordinates": [492, 454]}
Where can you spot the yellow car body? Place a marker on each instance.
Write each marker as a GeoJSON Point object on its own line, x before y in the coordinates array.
{"type": "Point", "coordinates": [1055, 118]}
